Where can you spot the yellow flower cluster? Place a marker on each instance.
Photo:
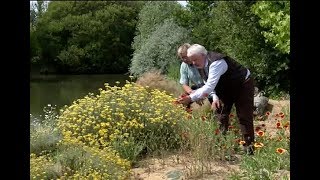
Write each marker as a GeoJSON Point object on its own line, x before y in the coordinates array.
{"type": "Point", "coordinates": [40, 166]}
{"type": "Point", "coordinates": [94, 164]}
{"type": "Point", "coordinates": [117, 112]}
{"type": "Point", "coordinates": [103, 164]}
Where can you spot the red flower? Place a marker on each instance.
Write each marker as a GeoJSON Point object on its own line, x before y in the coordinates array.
{"type": "Point", "coordinates": [260, 133]}
{"type": "Point", "coordinates": [258, 128]}
{"type": "Point", "coordinates": [280, 150]}
{"type": "Point", "coordinates": [183, 95]}
{"type": "Point", "coordinates": [189, 110]}
{"type": "Point", "coordinates": [258, 145]}
{"type": "Point", "coordinates": [286, 125]}
{"type": "Point", "coordinates": [175, 102]}
{"type": "Point", "coordinates": [231, 115]}
{"type": "Point", "coordinates": [217, 131]}
{"type": "Point", "coordinates": [279, 125]}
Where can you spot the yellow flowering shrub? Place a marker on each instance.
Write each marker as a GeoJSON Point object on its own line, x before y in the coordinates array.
{"type": "Point", "coordinates": [42, 167]}
{"type": "Point", "coordinates": [77, 161]}
{"type": "Point", "coordinates": [91, 162]}
{"type": "Point", "coordinates": [117, 113]}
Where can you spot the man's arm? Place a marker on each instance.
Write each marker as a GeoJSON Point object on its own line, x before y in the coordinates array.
{"type": "Point", "coordinates": [216, 69]}
{"type": "Point", "coordinates": [187, 88]}
{"type": "Point", "coordinates": [184, 80]}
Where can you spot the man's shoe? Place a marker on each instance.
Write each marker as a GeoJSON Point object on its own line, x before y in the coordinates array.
{"type": "Point", "coordinates": [249, 150]}
{"type": "Point", "coordinates": [231, 158]}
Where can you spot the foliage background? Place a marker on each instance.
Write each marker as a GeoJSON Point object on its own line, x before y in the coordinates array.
{"type": "Point", "coordinates": [139, 36]}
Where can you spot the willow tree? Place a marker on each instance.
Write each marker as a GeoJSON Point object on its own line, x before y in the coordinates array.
{"type": "Point", "coordinates": [158, 36]}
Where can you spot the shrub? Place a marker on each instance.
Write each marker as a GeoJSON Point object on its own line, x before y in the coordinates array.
{"type": "Point", "coordinates": [42, 167]}
{"type": "Point", "coordinates": [83, 162]}
{"type": "Point", "coordinates": [76, 161]}
{"type": "Point", "coordinates": [147, 115]}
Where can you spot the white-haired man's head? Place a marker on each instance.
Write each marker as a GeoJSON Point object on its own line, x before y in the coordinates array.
{"type": "Point", "coordinates": [197, 54]}
{"type": "Point", "coordinates": [196, 49]}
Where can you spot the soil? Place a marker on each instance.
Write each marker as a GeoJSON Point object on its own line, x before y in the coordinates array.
{"type": "Point", "coordinates": [178, 167]}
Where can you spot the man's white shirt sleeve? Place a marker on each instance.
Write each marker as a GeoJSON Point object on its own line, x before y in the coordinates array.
{"type": "Point", "coordinates": [216, 69]}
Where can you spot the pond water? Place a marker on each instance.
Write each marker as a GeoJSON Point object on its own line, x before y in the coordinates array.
{"type": "Point", "coordinates": [60, 90]}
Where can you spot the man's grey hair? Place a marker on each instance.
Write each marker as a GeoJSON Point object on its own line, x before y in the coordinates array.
{"type": "Point", "coordinates": [196, 49]}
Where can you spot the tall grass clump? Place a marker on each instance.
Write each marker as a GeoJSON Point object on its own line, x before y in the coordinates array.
{"type": "Point", "coordinates": [205, 144]}
{"type": "Point", "coordinates": [272, 154]}
{"type": "Point", "coordinates": [44, 134]}
{"type": "Point", "coordinates": [155, 80]}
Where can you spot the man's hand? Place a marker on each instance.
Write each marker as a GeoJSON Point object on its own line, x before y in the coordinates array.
{"type": "Point", "coordinates": [216, 104]}
{"type": "Point", "coordinates": [191, 91]}
{"type": "Point", "coordinates": [185, 100]}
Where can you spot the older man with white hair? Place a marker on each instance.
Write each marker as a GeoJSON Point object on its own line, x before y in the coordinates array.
{"type": "Point", "coordinates": [229, 83]}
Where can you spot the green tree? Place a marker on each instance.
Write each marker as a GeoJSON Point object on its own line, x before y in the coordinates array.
{"type": "Point", "coordinates": [232, 28]}
{"type": "Point", "coordinates": [34, 46]}
{"type": "Point", "coordinates": [36, 10]}
{"type": "Point", "coordinates": [235, 30]}
{"type": "Point", "coordinates": [199, 17]}
{"type": "Point", "coordinates": [88, 36]}
{"type": "Point", "coordinates": [275, 18]}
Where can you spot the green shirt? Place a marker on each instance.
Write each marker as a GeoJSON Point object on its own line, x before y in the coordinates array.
{"type": "Point", "coordinates": [190, 74]}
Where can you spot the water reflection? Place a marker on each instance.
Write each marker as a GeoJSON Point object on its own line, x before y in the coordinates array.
{"type": "Point", "coordinates": [62, 90]}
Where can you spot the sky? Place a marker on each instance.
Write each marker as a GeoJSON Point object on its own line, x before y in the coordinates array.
{"type": "Point", "coordinates": [183, 3]}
